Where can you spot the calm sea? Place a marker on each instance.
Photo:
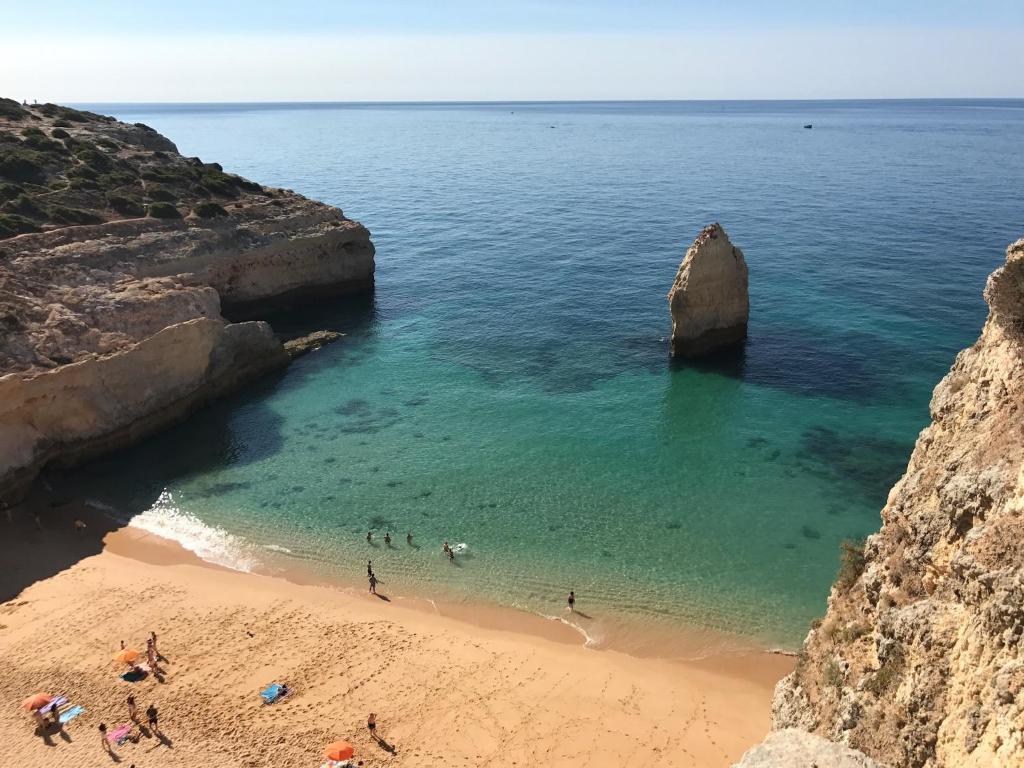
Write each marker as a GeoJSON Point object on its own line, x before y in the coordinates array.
{"type": "Point", "coordinates": [508, 384]}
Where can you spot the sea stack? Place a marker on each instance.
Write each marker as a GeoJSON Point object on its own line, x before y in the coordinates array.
{"type": "Point", "coordinates": [708, 300]}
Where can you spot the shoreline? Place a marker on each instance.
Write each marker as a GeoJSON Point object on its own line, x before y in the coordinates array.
{"type": "Point", "coordinates": [703, 647]}
{"type": "Point", "coordinates": [449, 687]}
{"type": "Point", "coordinates": [673, 641]}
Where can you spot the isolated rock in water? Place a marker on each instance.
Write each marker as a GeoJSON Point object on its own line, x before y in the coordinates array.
{"type": "Point", "coordinates": [919, 661]}
{"type": "Point", "coordinates": [792, 748]}
{"type": "Point", "coordinates": [303, 345]}
{"type": "Point", "coordinates": [708, 301]}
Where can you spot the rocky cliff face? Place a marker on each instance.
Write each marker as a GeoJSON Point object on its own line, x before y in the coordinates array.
{"type": "Point", "coordinates": [708, 301]}
{"type": "Point", "coordinates": [117, 258]}
{"type": "Point", "coordinates": [918, 661]}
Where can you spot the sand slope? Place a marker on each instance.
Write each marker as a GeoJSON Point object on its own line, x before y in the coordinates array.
{"type": "Point", "coordinates": [446, 693]}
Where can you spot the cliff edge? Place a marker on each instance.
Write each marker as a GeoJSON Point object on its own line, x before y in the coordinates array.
{"type": "Point", "coordinates": [119, 262]}
{"type": "Point", "coordinates": [708, 301]}
{"type": "Point", "coordinates": [918, 661]}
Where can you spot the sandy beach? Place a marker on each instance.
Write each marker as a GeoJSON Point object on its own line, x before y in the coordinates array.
{"type": "Point", "coordinates": [503, 690]}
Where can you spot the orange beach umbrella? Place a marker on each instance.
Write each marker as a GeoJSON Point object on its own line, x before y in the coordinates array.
{"type": "Point", "coordinates": [36, 701]}
{"type": "Point", "coordinates": [339, 750]}
{"type": "Point", "coordinates": [127, 655]}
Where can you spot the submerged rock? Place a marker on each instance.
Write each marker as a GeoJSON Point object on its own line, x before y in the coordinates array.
{"type": "Point", "coordinates": [303, 345]}
{"type": "Point", "coordinates": [708, 300]}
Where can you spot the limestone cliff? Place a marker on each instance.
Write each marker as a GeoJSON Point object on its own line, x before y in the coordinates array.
{"type": "Point", "coordinates": [117, 258]}
{"type": "Point", "coordinates": [708, 300]}
{"type": "Point", "coordinates": [918, 661]}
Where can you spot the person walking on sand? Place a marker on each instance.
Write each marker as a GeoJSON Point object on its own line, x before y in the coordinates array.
{"type": "Point", "coordinates": [373, 584]}
{"type": "Point", "coordinates": [152, 639]}
{"type": "Point", "coordinates": [572, 601]}
{"type": "Point", "coordinates": [103, 738]}
{"type": "Point", "coordinates": [371, 724]}
{"type": "Point", "coordinates": [151, 718]}
{"type": "Point", "coordinates": [133, 711]}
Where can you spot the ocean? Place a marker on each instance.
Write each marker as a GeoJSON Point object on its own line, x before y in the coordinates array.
{"type": "Point", "coordinates": [508, 385]}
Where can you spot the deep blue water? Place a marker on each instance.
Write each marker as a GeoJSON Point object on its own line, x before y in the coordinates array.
{"type": "Point", "coordinates": [508, 385]}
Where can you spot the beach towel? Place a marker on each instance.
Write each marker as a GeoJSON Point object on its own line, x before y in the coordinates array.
{"type": "Point", "coordinates": [55, 703]}
{"type": "Point", "coordinates": [138, 672]}
{"type": "Point", "coordinates": [119, 734]}
{"type": "Point", "coordinates": [274, 692]}
{"type": "Point", "coordinates": [71, 713]}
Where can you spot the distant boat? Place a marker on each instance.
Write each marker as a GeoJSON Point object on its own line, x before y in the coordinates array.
{"type": "Point", "coordinates": [808, 126]}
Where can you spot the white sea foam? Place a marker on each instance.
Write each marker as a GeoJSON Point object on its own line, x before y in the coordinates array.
{"type": "Point", "coordinates": [213, 544]}
{"type": "Point", "coordinates": [277, 548]}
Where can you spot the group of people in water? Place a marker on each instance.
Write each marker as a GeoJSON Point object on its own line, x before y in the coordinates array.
{"type": "Point", "coordinates": [449, 552]}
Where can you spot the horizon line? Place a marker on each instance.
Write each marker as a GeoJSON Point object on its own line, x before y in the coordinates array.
{"type": "Point", "coordinates": [545, 101]}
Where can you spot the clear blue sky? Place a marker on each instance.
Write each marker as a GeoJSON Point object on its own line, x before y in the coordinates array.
{"type": "Point", "coordinates": [500, 49]}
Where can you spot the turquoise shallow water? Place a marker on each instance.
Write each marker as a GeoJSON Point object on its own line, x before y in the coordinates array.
{"type": "Point", "coordinates": [508, 385]}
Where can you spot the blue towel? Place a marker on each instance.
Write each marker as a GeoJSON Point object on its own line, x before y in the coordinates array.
{"type": "Point", "coordinates": [271, 693]}
{"type": "Point", "coordinates": [72, 713]}
{"type": "Point", "coordinates": [133, 676]}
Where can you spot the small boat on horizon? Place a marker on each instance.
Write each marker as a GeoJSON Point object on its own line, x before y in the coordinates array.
{"type": "Point", "coordinates": [808, 126]}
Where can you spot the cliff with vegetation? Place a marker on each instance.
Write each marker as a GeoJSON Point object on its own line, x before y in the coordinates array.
{"type": "Point", "coordinates": [119, 262]}
{"type": "Point", "coordinates": [918, 661]}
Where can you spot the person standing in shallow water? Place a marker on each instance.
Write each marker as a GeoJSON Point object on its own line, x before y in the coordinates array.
{"type": "Point", "coordinates": [369, 568]}
{"type": "Point", "coordinates": [369, 537]}
{"type": "Point", "coordinates": [408, 538]}
{"type": "Point", "coordinates": [572, 601]}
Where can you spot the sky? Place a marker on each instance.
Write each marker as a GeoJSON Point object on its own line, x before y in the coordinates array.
{"type": "Point", "coordinates": [444, 50]}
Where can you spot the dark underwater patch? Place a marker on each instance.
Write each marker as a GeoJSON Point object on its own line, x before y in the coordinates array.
{"type": "Point", "coordinates": [220, 489]}
{"type": "Point", "coordinates": [866, 464]}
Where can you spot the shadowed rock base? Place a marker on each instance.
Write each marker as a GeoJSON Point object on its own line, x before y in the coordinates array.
{"type": "Point", "coordinates": [709, 341]}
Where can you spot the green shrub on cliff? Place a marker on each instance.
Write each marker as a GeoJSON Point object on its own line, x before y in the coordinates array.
{"type": "Point", "coordinates": [60, 133]}
{"type": "Point", "coordinates": [161, 194]}
{"type": "Point", "coordinates": [24, 205]}
{"type": "Point", "coordinates": [125, 204]}
{"type": "Point", "coordinates": [74, 216]}
{"type": "Point", "coordinates": [9, 192]}
{"type": "Point", "coordinates": [209, 210]}
{"type": "Point", "coordinates": [851, 565]}
{"type": "Point", "coordinates": [32, 131]}
{"type": "Point", "coordinates": [23, 165]}
{"type": "Point", "coordinates": [163, 211]}
{"type": "Point", "coordinates": [12, 224]}
{"type": "Point", "coordinates": [12, 110]}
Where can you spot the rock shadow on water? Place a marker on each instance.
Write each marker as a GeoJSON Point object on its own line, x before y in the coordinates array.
{"type": "Point", "coordinates": [209, 440]}
{"type": "Point", "coordinates": [855, 367]}
{"type": "Point", "coordinates": [866, 464]}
